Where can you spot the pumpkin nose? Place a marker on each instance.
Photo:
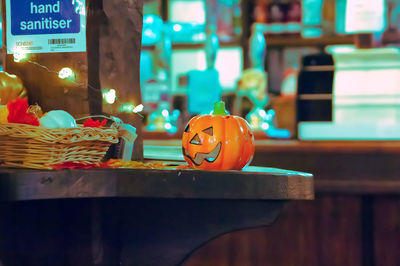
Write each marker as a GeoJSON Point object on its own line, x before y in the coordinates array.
{"type": "Point", "coordinates": [195, 140]}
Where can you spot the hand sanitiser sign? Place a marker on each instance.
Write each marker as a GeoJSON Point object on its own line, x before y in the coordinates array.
{"type": "Point", "coordinates": [46, 26]}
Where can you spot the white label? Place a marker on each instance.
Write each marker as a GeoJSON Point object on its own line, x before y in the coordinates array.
{"type": "Point", "coordinates": [365, 16]}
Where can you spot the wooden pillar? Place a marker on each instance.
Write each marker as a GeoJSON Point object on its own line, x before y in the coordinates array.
{"type": "Point", "coordinates": [120, 47]}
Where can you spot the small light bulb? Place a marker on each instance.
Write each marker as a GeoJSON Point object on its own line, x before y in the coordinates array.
{"type": "Point", "coordinates": [264, 126]}
{"type": "Point", "coordinates": [167, 126]}
{"type": "Point", "coordinates": [177, 27]}
{"type": "Point", "coordinates": [130, 108]}
{"type": "Point", "coordinates": [138, 108]}
{"type": "Point", "coordinates": [127, 108]}
{"type": "Point", "coordinates": [109, 95]}
{"type": "Point", "coordinates": [66, 73]}
{"type": "Point", "coordinates": [20, 55]}
{"type": "Point", "coordinates": [165, 113]}
{"type": "Point", "coordinates": [148, 19]}
{"type": "Point", "coordinates": [262, 113]}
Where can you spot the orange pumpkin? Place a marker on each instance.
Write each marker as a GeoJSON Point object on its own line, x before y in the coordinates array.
{"type": "Point", "coordinates": [218, 142]}
{"type": "Point", "coordinates": [11, 88]}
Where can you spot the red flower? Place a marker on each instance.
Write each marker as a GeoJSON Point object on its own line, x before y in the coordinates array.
{"type": "Point", "coordinates": [94, 123]}
{"type": "Point", "coordinates": [17, 113]}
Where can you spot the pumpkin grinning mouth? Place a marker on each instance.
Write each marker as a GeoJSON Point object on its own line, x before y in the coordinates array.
{"type": "Point", "coordinates": [200, 156]}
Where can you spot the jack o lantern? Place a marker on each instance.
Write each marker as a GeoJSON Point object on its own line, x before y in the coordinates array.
{"type": "Point", "coordinates": [218, 141]}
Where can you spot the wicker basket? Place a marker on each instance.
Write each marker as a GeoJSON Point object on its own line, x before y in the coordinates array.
{"type": "Point", "coordinates": [26, 146]}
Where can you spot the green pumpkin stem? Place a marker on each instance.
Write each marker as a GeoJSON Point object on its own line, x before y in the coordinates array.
{"type": "Point", "coordinates": [219, 108]}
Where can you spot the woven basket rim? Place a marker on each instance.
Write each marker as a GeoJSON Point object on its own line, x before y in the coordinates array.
{"type": "Point", "coordinates": [58, 135]}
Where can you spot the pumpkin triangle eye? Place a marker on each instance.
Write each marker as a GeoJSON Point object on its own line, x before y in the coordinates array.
{"type": "Point", "coordinates": [187, 128]}
{"type": "Point", "coordinates": [195, 140]}
{"type": "Point", "coordinates": [209, 131]}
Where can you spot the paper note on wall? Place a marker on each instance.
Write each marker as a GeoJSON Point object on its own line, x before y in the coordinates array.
{"type": "Point", "coordinates": [363, 16]}
{"type": "Point", "coordinates": [40, 26]}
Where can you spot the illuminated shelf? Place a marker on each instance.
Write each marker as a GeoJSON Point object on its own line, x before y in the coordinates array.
{"type": "Point", "coordinates": [182, 46]}
{"type": "Point", "coordinates": [300, 41]}
{"type": "Point", "coordinates": [273, 40]}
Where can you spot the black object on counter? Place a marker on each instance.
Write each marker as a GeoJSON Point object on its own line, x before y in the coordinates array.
{"type": "Point", "coordinates": [314, 88]}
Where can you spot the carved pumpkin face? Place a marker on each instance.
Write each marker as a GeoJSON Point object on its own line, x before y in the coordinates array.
{"type": "Point", "coordinates": [218, 142]}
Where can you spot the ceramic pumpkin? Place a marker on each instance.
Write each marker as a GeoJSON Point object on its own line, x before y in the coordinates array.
{"type": "Point", "coordinates": [11, 87]}
{"type": "Point", "coordinates": [218, 141]}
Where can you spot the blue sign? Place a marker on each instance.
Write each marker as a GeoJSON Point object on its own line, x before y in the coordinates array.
{"type": "Point", "coordinates": [44, 17]}
{"type": "Point", "coordinates": [46, 26]}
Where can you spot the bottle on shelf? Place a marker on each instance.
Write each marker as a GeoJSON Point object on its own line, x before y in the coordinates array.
{"type": "Point", "coordinates": [283, 17]}
{"type": "Point", "coordinates": [328, 17]}
{"type": "Point", "coordinates": [293, 17]}
{"type": "Point", "coordinates": [312, 18]}
{"type": "Point", "coordinates": [237, 20]}
{"type": "Point", "coordinates": [275, 17]}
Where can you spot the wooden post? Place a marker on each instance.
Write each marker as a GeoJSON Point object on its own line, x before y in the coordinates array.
{"type": "Point", "coordinates": [113, 34]}
{"type": "Point", "coordinates": [120, 47]}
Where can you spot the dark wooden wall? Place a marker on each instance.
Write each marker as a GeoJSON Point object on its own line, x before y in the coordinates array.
{"type": "Point", "coordinates": [354, 219]}
{"type": "Point", "coordinates": [332, 230]}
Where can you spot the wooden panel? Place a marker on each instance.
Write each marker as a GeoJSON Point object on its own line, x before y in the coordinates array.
{"type": "Point", "coordinates": [387, 231]}
{"type": "Point", "coordinates": [88, 232]}
{"type": "Point", "coordinates": [33, 238]}
{"type": "Point", "coordinates": [326, 231]}
{"type": "Point", "coordinates": [348, 167]}
{"type": "Point", "coordinates": [339, 230]}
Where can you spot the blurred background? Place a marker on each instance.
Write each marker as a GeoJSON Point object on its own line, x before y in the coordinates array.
{"type": "Point", "coordinates": [319, 82]}
{"type": "Point", "coordinates": [295, 69]}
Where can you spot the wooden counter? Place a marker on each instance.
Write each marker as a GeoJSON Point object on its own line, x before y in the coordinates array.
{"type": "Point", "coordinates": [340, 167]}
{"type": "Point", "coordinates": [133, 217]}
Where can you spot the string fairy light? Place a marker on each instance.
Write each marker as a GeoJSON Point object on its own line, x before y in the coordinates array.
{"type": "Point", "coordinates": [66, 73]}
{"type": "Point", "coordinates": [19, 55]}
{"type": "Point", "coordinates": [130, 108]}
{"type": "Point", "coordinates": [138, 108]}
{"type": "Point", "coordinates": [109, 95]}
